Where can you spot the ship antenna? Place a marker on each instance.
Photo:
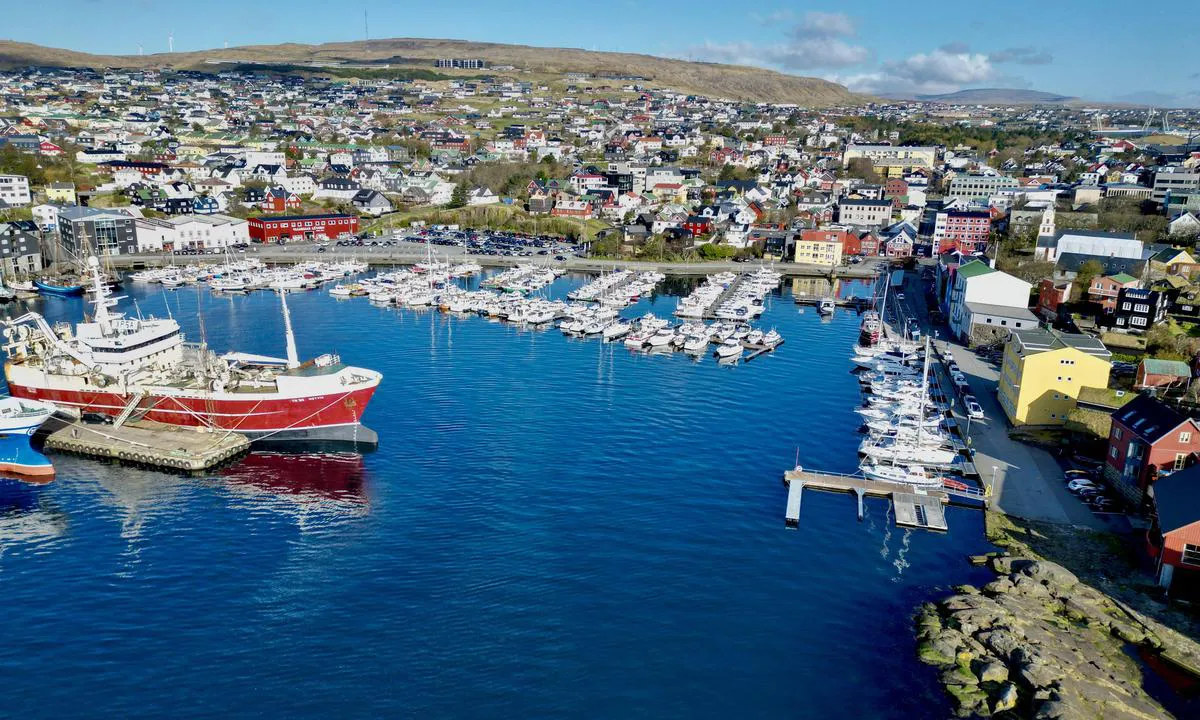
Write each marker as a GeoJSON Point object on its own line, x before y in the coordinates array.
{"type": "Point", "coordinates": [293, 357]}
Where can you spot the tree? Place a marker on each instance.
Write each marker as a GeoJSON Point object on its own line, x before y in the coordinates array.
{"type": "Point", "coordinates": [862, 168]}
{"type": "Point", "coordinates": [459, 197]}
{"type": "Point", "coordinates": [1087, 272]}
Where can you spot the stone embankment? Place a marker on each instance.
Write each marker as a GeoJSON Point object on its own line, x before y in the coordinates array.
{"type": "Point", "coordinates": [1037, 643]}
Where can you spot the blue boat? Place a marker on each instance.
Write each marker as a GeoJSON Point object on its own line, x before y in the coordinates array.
{"type": "Point", "coordinates": [19, 420]}
{"type": "Point", "coordinates": [64, 290]}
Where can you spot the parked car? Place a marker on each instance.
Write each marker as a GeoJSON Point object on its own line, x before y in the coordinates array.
{"type": "Point", "coordinates": [1081, 484]}
{"type": "Point", "coordinates": [974, 409]}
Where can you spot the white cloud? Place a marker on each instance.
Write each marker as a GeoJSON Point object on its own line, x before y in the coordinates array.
{"type": "Point", "coordinates": [935, 72]}
{"type": "Point", "coordinates": [823, 23]}
{"type": "Point", "coordinates": [816, 42]}
{"type": "Point", "coordinates": [1022, 56]}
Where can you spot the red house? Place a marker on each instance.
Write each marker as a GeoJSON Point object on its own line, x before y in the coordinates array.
{"type": "Point", "coordinates": [301, 227]}
{"type": "Point", "coordinates": [1175, 538]}
{"type": "Point", "coordinates": [1051, 294]}
{"type": "Point", "coordinates": [895, 188]}
{"type": "Point", "coordinates": [279, 200]}
{"type": "Point", "coordinates": [1148, 439]}
{"type": "Point", "coordinates": [698, 225]}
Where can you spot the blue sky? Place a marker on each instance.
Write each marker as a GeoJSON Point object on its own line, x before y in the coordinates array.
{"type": "Point", "coordinates": [1101, 50]}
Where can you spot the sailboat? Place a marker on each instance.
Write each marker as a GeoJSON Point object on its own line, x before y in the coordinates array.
{"type": "Point", "coordinates": [59, 286]}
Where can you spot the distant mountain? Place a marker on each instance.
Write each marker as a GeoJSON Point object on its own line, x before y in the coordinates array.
{"type": "Point", "coordinates": [993, 96]}
{"type": "Point", "coordinates": [735, 82]}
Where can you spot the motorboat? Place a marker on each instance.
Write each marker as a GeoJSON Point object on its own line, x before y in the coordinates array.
{"type": "Point", "coordinates": [617, 330]}
{"type": "Point", "coordinates": [730, 349]}
{"type": "Point", "coordinates": [826, 306]}
{"type": "Point", "coordinates": [695, 344]}
{"type": "Point", "coordinates": [662, 338]}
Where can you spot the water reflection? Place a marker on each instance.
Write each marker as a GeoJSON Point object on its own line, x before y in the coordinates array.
{"type": "Point", "coordinates": [26, 518]}
{"type": "Point", "coordinates": [303, 485]}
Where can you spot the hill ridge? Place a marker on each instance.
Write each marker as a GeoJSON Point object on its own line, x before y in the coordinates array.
{"type": "Point", "coordinates": [735, 82]}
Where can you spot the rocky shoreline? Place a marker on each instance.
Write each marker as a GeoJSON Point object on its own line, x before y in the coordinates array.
{"type": "Point", "coordinates": [1037, 643]}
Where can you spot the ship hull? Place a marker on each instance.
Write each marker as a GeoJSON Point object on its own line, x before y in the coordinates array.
{"type": "Point", "coordinates": [63, 290]}
{"type": "Point", "coordinates": [332, 416]}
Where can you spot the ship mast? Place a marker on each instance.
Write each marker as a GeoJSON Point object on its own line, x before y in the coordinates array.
{"type": "Point", "coordinates": [293, 357]}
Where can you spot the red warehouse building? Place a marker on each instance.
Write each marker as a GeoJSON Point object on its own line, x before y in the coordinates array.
{"type": "Point", "coordinates": [1148, 439]}
{"type": "Point", "coordinates": [301, 227]}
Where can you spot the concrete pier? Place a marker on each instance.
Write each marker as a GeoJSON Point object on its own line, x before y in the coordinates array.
{"type": "Point", "coordinates": [914, 508]}
{"type": "Point", "coordinates": [151, 444]}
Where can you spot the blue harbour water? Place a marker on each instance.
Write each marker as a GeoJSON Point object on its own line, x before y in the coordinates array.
{"type": "Point", "coordinates": [549, 528]}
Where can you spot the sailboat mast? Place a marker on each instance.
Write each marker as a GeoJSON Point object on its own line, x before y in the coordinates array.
{"type": "Point", "coordinates": [924, 395]}
{"type": "Point", "coordinates": [293, 357]}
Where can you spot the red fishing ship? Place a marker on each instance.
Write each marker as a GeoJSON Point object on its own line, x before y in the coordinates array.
{"type": "Point", "coordinates": [133, 368]}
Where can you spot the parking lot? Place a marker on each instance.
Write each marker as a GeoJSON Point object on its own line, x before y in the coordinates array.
{"type": "Point", "coordinates": [478, 243]}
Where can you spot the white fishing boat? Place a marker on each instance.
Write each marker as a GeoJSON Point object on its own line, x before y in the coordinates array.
{"type": "Point", "coordinates": [826, 306]}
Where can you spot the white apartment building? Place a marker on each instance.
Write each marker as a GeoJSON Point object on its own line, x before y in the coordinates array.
{"type": "Point", "coordinates": [14, 190]}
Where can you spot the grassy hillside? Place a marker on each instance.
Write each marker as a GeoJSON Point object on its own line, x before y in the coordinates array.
{"type": "Point", "coordinates": [710, 79]}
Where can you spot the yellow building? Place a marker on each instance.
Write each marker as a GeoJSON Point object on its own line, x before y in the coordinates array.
{"type": "Point", "coordinates": [60, 192]}
{"type": "Point", "coordinates": [1043, 371]}
{"type": "Point", "coordinates": [824, 250]}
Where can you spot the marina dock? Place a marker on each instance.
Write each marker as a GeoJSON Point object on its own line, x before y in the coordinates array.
{"type": "Point", "coordinates": [920, 509]}
{"type": "Point", "coordinates": [151, 444]}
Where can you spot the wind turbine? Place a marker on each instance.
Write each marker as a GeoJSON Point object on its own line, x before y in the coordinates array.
{"type": "Point", "coordinates": [171, 41]}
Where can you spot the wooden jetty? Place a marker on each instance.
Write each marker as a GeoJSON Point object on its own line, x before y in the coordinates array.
{"type": "Point", "coordinates": [914, 508]}
{"type": "Point", "coordinates": [151, 444]}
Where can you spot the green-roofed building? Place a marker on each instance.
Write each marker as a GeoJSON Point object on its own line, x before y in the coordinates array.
{"type": "Point", "coordinates": [1156, 373]}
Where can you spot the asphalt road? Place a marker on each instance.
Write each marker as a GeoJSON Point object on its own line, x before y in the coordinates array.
{"type": "Point", "coordinates": [407, 253]}
{"type": "Point", "coordinates": [1027, 479]}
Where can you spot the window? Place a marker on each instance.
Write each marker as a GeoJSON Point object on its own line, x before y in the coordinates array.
{"type": "Point", "coordinates": [1112, 451]}
{"type": "Point", "coordinates": [1185, 437]}
{"type": "Point", "coordinates": [1180, 460]}
{"type": "Point", "coordinates": [1191, 554]}
{"type": "Point", "coordinates": [1117, 433]}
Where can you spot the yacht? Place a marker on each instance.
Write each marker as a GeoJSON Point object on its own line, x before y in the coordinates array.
{"type": "Point", "coordinates": [662, 338]}
{"type": "Point", "coordinates": [616, 330]}
{"type": "Point", "coordinates": [730, 349]}
{"type": "Point", "coordinates": [908, 475]}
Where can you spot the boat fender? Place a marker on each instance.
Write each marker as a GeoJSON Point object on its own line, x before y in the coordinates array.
{"type": "Point", "coordinates": [101, 380]}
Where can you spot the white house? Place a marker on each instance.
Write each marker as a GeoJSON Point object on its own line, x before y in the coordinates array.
{"type": "Point", "coordinates": [983, 296]}
{"type": "Point", "coordinates": [482, 196]}
{"type": "Point", "coordinates": [1088, 242]}
{"type": "Point", "coordinates": [46, 216]}
{"type": "Point", "coordinates": [14, 190]}
{"type": "Point", "coordinates": [299, 184]}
